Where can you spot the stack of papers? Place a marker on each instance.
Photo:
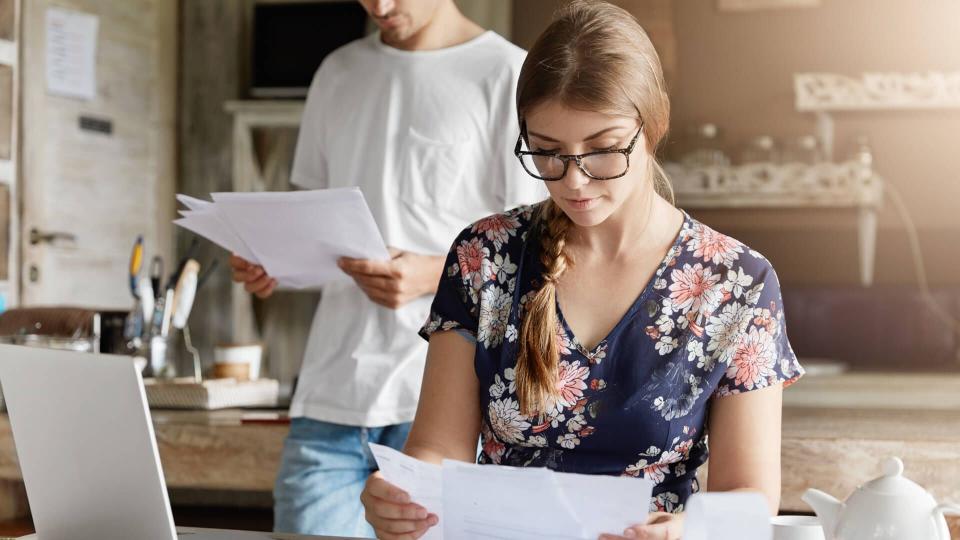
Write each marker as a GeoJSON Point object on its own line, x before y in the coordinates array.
{"type": "Point", "coordinates": [297, 236]}
{"type": "Point", "coordinates": [482, 501]}
{"type": "Point", "coordinates": [508, 503]}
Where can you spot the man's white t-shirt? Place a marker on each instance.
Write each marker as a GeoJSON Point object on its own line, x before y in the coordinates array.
{"type": "Point", "coordinates": [428, 137]}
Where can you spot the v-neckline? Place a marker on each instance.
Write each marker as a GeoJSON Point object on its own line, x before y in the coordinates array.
{"type": "Point", "coordinates": [634, 307]}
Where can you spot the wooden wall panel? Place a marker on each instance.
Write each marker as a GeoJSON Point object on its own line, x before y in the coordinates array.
{"type": "Point", "coordinates": [211, 73]}
{"type": "Point", "coordinates": [8, 12]}
{"type": "Point", "coordinates": [6, 111]}
{"type": "Point", "coordinates": [531, 17]}
{"type": "Point", "coordinates": [5, 221]}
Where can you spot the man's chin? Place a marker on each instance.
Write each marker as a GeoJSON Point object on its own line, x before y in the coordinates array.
{"type": "Point", "coordinates": [397, 34]}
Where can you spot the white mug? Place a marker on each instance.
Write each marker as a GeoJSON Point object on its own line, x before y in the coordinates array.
{"type": "Point", "coordinates": [249, 355]}
{"type": "Point", "coordinates": [796, 528]}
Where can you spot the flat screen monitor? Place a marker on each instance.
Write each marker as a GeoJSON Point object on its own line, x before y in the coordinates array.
{"type": "Point", "coordinates": [290, 39]}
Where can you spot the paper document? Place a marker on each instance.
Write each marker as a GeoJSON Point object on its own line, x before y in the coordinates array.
{"type": "Point", "coordinates": [485, 501]}
{"type": "Point", "coordinates": [727, 516]}
{"type": "Point", "coordinates": [625, 501]}
{"type": "Point", "coordinates": [297, 236]}
{"type": "Point", "coordinates": [419, 479]}
{"type": "Point", "coordinates": [71, 47]}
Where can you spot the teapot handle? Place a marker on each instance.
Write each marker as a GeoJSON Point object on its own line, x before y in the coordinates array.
{"type": "Point", "coordinates": [947, 509]}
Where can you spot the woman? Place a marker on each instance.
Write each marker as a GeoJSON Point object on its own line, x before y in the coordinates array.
{"type": "Point", "coordinates": [602, 331]}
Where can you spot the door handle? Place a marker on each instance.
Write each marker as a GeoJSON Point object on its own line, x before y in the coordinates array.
{"type": "Point", "coordinates": [37, 236]}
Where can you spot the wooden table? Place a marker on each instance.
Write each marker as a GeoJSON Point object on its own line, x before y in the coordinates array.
{"type": "Point", "coordinates": [833, 448]}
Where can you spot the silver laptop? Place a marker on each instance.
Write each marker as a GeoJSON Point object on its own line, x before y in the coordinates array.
{"type": "Point", "coordinates": [86, 447]}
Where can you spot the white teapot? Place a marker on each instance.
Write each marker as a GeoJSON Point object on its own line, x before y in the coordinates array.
{"type": "Point", "coordinates": [890, 507]}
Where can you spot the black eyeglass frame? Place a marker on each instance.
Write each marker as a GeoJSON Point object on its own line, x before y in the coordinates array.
{"type": "Point", "coordinates": [576, 158]}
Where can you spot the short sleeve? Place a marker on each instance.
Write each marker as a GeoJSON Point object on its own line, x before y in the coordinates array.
{"type": "Point", "coordinates": [309, 169]}
{"type": "Point", "coordinates": [759, 355]}
{"type": "Point", "coordinates": [455, 305]}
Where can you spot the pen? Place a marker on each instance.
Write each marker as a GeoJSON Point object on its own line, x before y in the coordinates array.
{"type": "Point", "coordinates": [167, 313]}
{"type": "Point", "coordinates": [156, 275]}
{"type": "Point", "coordinates": [147, 302]}
{"type": "Point", "coordinates": [136, 261]}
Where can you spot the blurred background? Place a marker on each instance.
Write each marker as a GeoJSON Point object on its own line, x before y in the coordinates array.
{"type": "Point", "coordinates": [823, 133]}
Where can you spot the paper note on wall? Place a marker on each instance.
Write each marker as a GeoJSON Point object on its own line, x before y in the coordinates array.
{"type": "Point", "coordinates": [71, 53]}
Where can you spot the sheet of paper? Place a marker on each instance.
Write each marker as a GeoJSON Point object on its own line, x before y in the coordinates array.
{"type": "Point", "coordinates": [297, 236]}
{"type": "Point", "coordinates": [508, 503]}
{"type": "Point", "coordinates": [71, 51]}
{"type": "Point", "coordinates": [727, 516]}
{"type": "Point", "coordinates": [210, 226]}
{"type": "Point", "coordinates": [606, 504]}
{"type": "Point", "coordinates": [193, 203]}
{"type": "Point", "coordinates": [483, 501]}
{"type": "Point", "coordinates": [421, 480]}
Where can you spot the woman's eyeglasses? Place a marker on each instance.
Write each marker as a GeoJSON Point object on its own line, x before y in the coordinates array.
{"type": "Point", "coordinates": [599, 165]}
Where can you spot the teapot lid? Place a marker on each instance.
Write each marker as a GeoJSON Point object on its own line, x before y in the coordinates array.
{"type": "Point", "coordinates": [893, 482]}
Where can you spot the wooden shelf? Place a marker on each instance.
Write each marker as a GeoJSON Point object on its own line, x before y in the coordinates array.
{"type": "Point", "coordinates": [819, 92]}
{"type": "Point", "coordinates": [770, 185]}
{"type": "Point", "coordinates": [848, 184]}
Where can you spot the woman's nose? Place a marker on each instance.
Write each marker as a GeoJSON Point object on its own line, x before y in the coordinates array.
{"type": "Point", "coordinates": [575, 177]}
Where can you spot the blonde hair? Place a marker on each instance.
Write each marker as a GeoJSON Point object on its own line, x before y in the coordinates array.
{"type": "Point", "coordinates": [594, 56]}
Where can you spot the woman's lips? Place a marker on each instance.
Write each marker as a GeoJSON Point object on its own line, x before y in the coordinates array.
{"type": "Point", "coordinates": [582, 204]}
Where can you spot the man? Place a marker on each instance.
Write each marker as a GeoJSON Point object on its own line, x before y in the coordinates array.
{"type": "Point", "coordinates": [421, 117]}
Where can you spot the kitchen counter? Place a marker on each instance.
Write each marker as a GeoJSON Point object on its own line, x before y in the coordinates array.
{"type": "Point", "coordinates": [233, 456]}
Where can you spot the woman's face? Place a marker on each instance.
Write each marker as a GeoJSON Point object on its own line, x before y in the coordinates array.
{"type": "Point", "coordinates": [555, 127]}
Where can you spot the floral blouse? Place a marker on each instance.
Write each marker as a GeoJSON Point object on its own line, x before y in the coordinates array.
{"type": "Point", "coordinates": [709, 323]}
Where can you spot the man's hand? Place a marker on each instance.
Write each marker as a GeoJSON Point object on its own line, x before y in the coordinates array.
{"type": "Point", "coordinates": [253, 277]}
{"type": "Point", "coordinates": [394, 283]}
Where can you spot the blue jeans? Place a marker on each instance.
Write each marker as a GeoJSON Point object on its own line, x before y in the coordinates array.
{"type": "Point", "coordinates": [322, 472]}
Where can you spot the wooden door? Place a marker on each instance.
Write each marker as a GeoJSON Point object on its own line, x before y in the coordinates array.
{"type": "Point", "coordinates": [98, 172]}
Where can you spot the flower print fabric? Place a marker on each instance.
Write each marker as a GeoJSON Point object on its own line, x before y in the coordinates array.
{"type": "Point", "coordinates": [708, 324]}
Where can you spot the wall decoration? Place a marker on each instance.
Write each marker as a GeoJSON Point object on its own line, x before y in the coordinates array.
{"type": "Point", "coordinates": [874, 91]}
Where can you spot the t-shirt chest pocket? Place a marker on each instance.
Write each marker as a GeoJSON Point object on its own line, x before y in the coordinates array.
{"type": "Point", "coordinates": [435, 166]}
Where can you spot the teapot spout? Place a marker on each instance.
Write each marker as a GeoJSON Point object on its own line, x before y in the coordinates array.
{"type": "Point", "coordinates": [826, 507]}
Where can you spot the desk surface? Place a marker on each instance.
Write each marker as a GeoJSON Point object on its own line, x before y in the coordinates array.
{"type": "Point", "coordinates": [833, 448]}
{"type": "Point", "coordinates": [222, 534]}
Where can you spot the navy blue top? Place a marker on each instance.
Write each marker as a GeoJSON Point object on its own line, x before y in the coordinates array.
{"type": "Point", "coordinates": [708, 324]}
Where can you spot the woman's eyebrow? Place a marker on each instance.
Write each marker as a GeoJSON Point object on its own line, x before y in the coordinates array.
{"type": "Point", "coordinates": [591, 137]}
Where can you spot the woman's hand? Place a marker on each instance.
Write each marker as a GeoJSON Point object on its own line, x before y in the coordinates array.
{"type": "Point", "coordinates": [389, 510]}
{"type": "Point", "coordinates": [659, 526]}
{"type": "Point", "coordinates": [253, 277]}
